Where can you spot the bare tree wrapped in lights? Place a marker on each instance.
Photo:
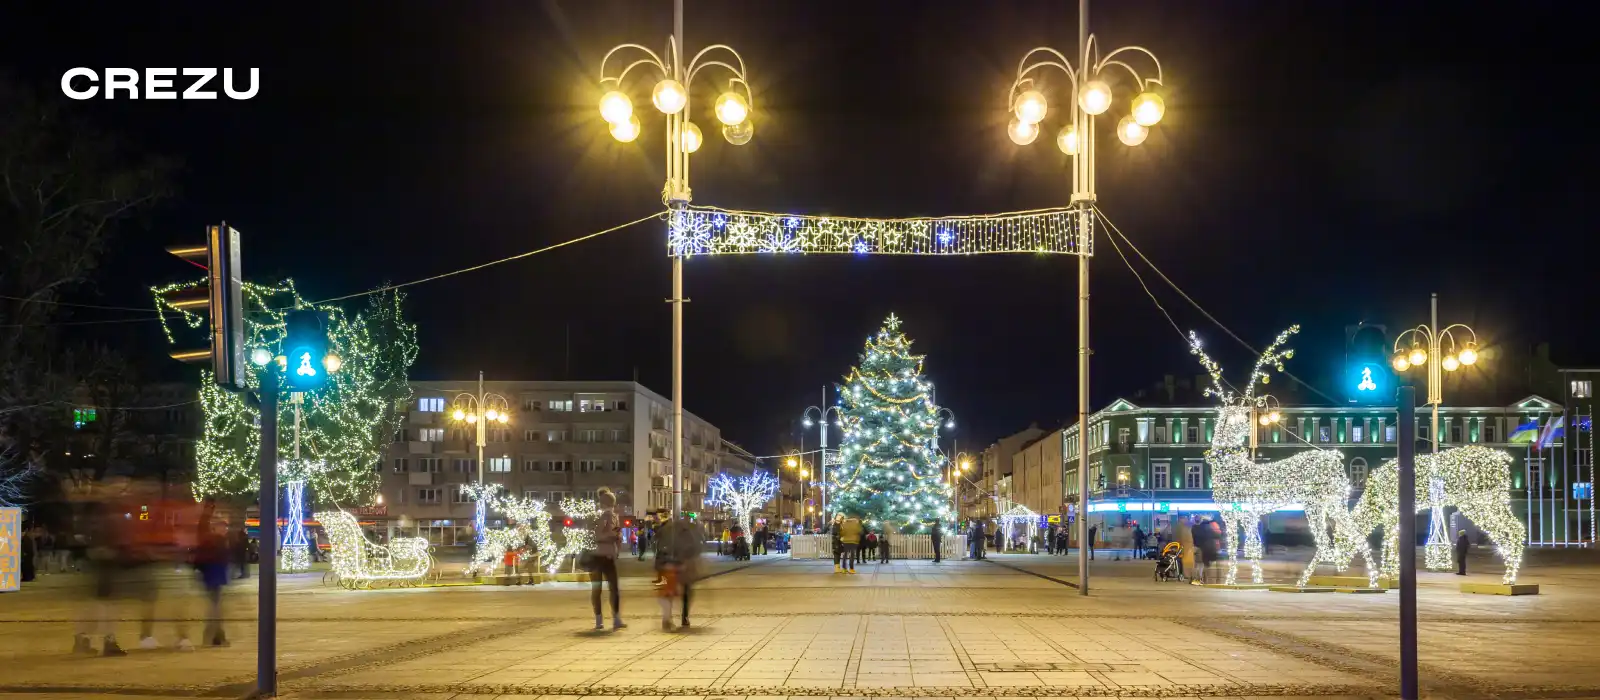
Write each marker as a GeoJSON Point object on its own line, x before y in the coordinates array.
{"type": "Point", "coordinates": [1248, 490]}
{"type": "Point", "coordinates": [891, 468]}
{"type": "Point", "coordinates": [529, 527]}
{"type": "Point", "coordinates": [741, 495]}
{"type": "Point", "coordinates": [1474, 479]}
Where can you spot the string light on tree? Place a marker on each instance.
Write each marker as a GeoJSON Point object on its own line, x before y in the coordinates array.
{"type": "Point", "coordinates": [741, 495]}
{"type": "Point", "coordinates": [891, 473]}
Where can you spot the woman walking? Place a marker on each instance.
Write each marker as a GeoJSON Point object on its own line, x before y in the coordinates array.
{"type": "Point", "coordinates": [838, 546]}
{"type": "Point", "coordinates": [607, 542]}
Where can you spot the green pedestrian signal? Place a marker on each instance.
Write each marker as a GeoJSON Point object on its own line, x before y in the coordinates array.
{"type": "Point", "coordinates": [306, 360]}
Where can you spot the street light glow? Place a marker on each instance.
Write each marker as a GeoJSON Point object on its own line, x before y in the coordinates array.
{"type": "Point", "coordinates": [739, 134]}
{"type": "Point", "coordinates": [669, 96]}
{"type": "Point", "coordinates": [1418, 355]}
{"type": "Point", "coordinates": [1130, 132]}
{"type": "Point", "coordinates": [1021, 132]}
{"type": "Point", "coordinates": [615, 108]}
{"type": "Point", "coordinates": [626, 130]}
{"type": "Point", "coordinates": [1450, 363]}
{"type": "Point", "coordinates": [1067, 140]}
{"type": "Point", "coordinates": [1095, 97]}
{"type": "Point", "coordinates": [1148, 108]}
{"type": "Point", "coordinates": [1469, 355]}
{"type": "Point", "coordinates": [459, 414]}
{"type": "Point", "coordinates": [492, 414]}
{"type": "Point", "coordinates": [731, 109]}
{"type": "Point", "coordinates": [1030, 107]}
{"type": "Point", "coordinates": [691, 137]}
{"type": "Point", "coordinates": [1400, 363]}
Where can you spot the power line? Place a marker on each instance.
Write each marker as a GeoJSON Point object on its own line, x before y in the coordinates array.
{"type": "Point", "coordinates": [1196, 304]}
{"type": "Point", "coordinates": [79, 306]}
{"type": "Point", "coordinates": [518, 256]}
{"type": "Point", "coordinates": [143, 319]}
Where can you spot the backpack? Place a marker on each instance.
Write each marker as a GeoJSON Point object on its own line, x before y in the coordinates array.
{"type": "Point", "coordinates": [872, 538]}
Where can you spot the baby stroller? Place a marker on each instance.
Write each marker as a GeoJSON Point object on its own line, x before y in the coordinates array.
{"type": "Point", "coordinates": [1167, 567]}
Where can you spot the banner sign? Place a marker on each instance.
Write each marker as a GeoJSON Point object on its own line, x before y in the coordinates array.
{"type": "Point", "coordinates": [10, 549]}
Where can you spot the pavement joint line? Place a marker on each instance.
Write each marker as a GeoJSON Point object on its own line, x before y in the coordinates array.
{"type": "Point", "coordinates": [852, 668]}
{"type": "Point", "coordinates": [389, 654]}
{"type": "Point", "coordinates": [1046, 577]}
{"type": "Point", "coordinates": [962, 657]}
{"type": "Point", "coordinates": [744, 658]}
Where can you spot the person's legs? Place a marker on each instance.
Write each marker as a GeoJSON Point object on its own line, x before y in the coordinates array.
{"type": "Point", "coordinates": [596, 580]}
{"type": "Point", "coordinates": [837, 553]}
{"type": "Point", "coordinates": [685, 619]}
{"type": "Point", "coordinates": [610, 570]}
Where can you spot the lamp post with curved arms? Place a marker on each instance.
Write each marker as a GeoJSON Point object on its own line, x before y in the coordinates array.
{"type": "Point", "coordinates": [670, 96]}
{"type": "Point", "coordinates": [1091, 96]}
{"type": "Point", "coordinates": [957, 468]}
{"type": "Point", "coordinates": [479, 410]}
{"type": "Point", "coordinates": [1428, 341]}
{"type": "Point", "coordinates": [822, 453]}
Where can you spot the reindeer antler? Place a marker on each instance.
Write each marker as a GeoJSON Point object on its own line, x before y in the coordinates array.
{"type": "Point", "coordinates": [1217, 388]}
{"type": "Point", "coordinates": [1270, 357]}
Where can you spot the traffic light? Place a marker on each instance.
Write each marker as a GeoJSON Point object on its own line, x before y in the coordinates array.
{"type": "Point", "coordinates": [306, 360]}
{"type": "Point", "coordinates": [567, 522]}
{"type": "Point", "coordinates": [1368, 379]}
{"type": "Point", "coordinates": [224, 303]}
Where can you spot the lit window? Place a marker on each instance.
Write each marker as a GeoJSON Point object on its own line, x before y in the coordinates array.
{"type": "Point", "coordinates": [1163, 475]}
{"type": "Point", "coordinates": [400, 466]}
{"type": "Point", "coordinates": [430, 434]}
{"type": "Point", "coordinates": [1357, 431]}
{"type": "Point", "coordinates": [500, 464]}
{"type": "Point", "coordinates": [430, 404]}
{"type": "Point", "coordinates": [559, 405]}
{"type": "Point", "coordinates": [1358, 472]}
{"type": "Point", "coordinates": [1194, 475]}
{"type": "Point", "coordinates": [1582, 389]}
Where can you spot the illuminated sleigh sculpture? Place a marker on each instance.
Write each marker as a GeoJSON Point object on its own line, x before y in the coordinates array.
{"type": "Point", "coordinates": [1249, 490]}
{"type": "Point", "coordinates": [1474, 479]}
{"type": "Point", "coordinates": [360, 563]}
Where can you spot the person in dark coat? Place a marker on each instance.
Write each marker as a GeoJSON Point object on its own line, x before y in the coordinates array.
{"type": "Point", "coordinates": [241, 551]}
{"type": "Point", "coordinates": [1138, 542]}
{"type": "Point", "coordinates": [938, 539]}
{"type": "Point", "coordinates": [1462, 545]}
{"type": "Point", "coordinates": [1094, 531]}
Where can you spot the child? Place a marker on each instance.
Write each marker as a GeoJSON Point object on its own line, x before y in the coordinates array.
{"type": "Point", "coordinates": [667, 591]}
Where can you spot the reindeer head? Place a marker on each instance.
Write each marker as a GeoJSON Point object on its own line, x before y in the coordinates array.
{"type": "Point", "coordinates": [1234, 410]}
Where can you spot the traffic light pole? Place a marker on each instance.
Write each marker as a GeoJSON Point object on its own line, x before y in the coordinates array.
{"type": "Point", "coordinates": [267, 594]}
{"type": "Point", "coordinates": [1406, 400]}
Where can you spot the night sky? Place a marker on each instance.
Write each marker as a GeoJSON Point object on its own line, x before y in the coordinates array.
{"type": "Point", "coordinates": [1321, 163]}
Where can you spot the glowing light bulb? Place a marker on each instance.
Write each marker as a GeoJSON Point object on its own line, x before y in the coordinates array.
{"type": "Point", "coordinates": [1030, 107]}
{"type": "Point", "coordinates": [1148, 108]}
{"type": "Point", "coordinates": [731, 108]}
{"type": "Point", "coordinates": [1400, 363]}
{"type": "Point", "coordinates": [1022, 133]}
{"type": "Point", "coordinates": [690, 137]}
{"type": "Point", "coordinates": [459, 414]}
{"type": "Point", "coordinates": [1450, 363]}
{"type": "Point", "coordinates": [332, 362]}
{"type": "Point", "coordinates": [505, 418]}
{"type": "Point", "coordinates": [1469, 355]}
{"type": "Point", "coordinates": [669, 96]}
{"type": "Point", "coordinates": [492, 414]}
{"type": "Point", "coordinates": [1275, 416]}
{"type": "Point", "coordinates": [1067, 140]}
{"type": "Point", "coordinates": [1418, 355]}
{"type": "Point", "coordinates": [1130, 132]}
{"type": "Point", "coordinates": [626, 130]}
{"type": "Point", "coordinates": [739, 134]}
{"type": "Point", "coordinates": [472, 417]}
{"type": "Point", "coordinates": [1266, 421]}
{"type": "Point", "coordinates": [260, 356]}
{"type": "Point", "coordinates": [615, 107]}
{"type": "Point", "coordinates": [1095, 97]}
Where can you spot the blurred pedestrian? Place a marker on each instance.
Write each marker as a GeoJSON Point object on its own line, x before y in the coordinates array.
{"type": "Point", "coordinates": [211, 565]}
{"type": "Point", "coordinates": [838, 546]}
{"type": "Point", "coordinates": [240, 546]}
{"type": "Point", "coordinates": [850, 537]}
{"type": "Point", "coordinates": [1094, 531]}
{"type": "Point", "coordinates": [683, 553]}
{"type": "Point", "coordinates": [30, 551]}
{"type": "Point", "coordinates": [1462, 546]}
{"type": "Point", "coordinates": [938, 539]}
{"type": "Point", "coordinates": [883, 546]}
{"type": "Point", "coordinates": [607, 544]}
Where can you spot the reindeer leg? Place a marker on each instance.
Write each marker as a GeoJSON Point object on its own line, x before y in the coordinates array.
{"type": "Point", "coordinates": [1504, 529]}
{"type": "Point", "coordinates": [1232, 521]}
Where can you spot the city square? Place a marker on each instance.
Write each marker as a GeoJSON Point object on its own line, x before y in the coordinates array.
{"type": "Point", "coordinates": [775, 627]}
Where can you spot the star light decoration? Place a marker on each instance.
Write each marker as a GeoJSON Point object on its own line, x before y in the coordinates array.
{"type": "Point", "coordinates": [741, 495]}
{"type": "Point", "coordinates": [710, 231]}
{"type": "Point", "coordinates": [1476, 480]}
{"type": "Point", "coordinates": [1315, 480]}
{"type": "Point", "coordinates": [347, 424]}
{"type": "Point", "coordinates": [889, 472]}
{"type": "Point", "coordinates": [359, 562]}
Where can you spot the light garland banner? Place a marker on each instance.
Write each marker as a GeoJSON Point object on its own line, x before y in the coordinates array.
{"type": "Point", "coordinates": [1474, 479]}
{"type": "Point", "coordinates": [360, 563]}
{"type": "Point", "coordinates": [1314, 480]}
{"type": "Point", "coordinates": [741, 495]}
{"type": "Point", "coordinates": [695, 231]}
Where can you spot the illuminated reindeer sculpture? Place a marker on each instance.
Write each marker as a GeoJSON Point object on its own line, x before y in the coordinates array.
{"type": "Point", "coordinates": [1474, 479]}
{"type": "Point", "coordinates": [1246, 490]}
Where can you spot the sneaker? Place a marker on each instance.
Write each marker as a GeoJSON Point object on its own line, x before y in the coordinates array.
{"type": "Point", "coordinates": [666, 625]}
{"type": "Point", "coordinates": [185, 645]}
{"type": "Point", "coordinates": [219, 640]}
{"type": "Point", "coordinates": [110, 648]}
{"type": "Point", "coordinates": [618, 624]}
{"type": "Point", "coordinates": [837, 570]}
{"type": "Point", "coordinates": [81, 645]}
{"type": "Point", "coordinates": [685, 624]}
{"type": "Point", "coordinates": [149, 643]}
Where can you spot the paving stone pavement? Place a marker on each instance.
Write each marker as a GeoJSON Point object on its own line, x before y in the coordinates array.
{"type": "Point", "coordinates": [784, 628]}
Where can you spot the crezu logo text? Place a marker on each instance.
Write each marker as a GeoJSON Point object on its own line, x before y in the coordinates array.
{"type": "Point", "coordinates": [159, 83]}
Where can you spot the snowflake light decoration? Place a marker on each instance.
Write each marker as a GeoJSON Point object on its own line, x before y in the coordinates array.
{"type": "Point", "coordinates": [710, 231]}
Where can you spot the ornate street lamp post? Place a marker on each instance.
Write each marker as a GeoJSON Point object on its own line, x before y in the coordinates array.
{"type": "Point", "coordinates": [479, 410]}
{"type": "Point", "coordinates": [670, 96]}
{"type": "Point", "coordinates": [1091, 95]}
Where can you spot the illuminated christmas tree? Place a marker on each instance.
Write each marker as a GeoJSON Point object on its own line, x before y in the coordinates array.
{"type": "Point", "coordinates": [890, 472]}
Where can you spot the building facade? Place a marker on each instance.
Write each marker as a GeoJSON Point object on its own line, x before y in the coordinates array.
{"type": "Point", "coordinates": [564, 440]}
{"type": "Point", "coordinates": [997, 462]}
{"type": "Point", "coordinates": [1147, 464]}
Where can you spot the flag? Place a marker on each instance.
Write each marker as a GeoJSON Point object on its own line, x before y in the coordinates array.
{"type": "Point", "coordinates": [1527, 432]}
{"type": "Point", "coordinates": [1553, 430]}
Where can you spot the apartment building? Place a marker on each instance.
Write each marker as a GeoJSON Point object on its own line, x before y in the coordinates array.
{"type": "Point", "coordinates": [565, 439]}
{"type": "Point", "coordinates": [996, 464]}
